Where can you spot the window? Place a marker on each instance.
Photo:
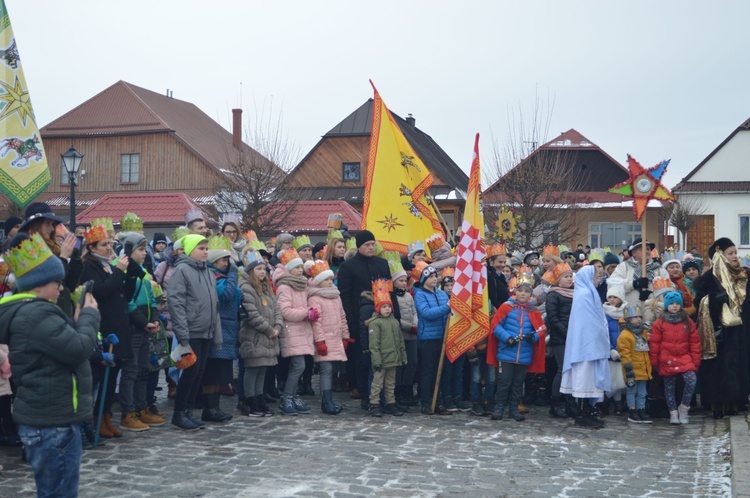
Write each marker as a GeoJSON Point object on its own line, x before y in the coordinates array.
{"type": "Point", "coordinates": [350, 172]}
{"type": "Point", "coordinates": [129, 168]}
{"type": "Point", "coordinates": [745, 230]}
{"type": "Point", "coordinates": [613, 235]}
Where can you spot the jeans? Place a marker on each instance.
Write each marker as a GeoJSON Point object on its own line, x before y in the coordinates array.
{"type": "Point", "coordinates": [429, 352]}
{"type": "Point", "coordinates": [296, 369]}
{"type": "Point", "coordinates": [326, 375]}
{"type": "Point", "coordinates": [192, 378]}
{"type": "Point", "coordinates": [452, 378]}
{"type": "Point", "coordinates": [134, 375]}
{"type": "Point", "coordinates": [636, 395]}
{"type": "Point", "coordinates": [55, 455]}
{"type": "Point", "coordinates": [510, 384]}
{"type": "Point", "coordinates": [476, 380]}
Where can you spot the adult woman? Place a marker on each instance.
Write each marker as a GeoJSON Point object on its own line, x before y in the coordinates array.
{"type": "Point", "coordinates": [558, 305]}
{"type": "Point", "coordinates": [723, 324]}
{"type": "Point", "coordinates": [334, 255]}
{"type": "Point", "coordinates": [231, 231]}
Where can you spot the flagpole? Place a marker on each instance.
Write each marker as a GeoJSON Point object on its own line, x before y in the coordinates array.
{"type": "Point", "coordinates": [644, 248]}
{"type": "Point", "coordinates": [440, 366]}
{"type": "Point", "coordinates": [439, 214]}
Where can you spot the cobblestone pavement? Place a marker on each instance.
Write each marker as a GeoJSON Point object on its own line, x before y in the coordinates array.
{"type": "Point", "coordinates": [414, 455]}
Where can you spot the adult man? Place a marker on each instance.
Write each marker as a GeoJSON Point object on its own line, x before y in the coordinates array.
{"type": "Point", "coordinates": [355, 277]}
{"type": "Point", "coordinates": [195, 223]}
{"type": "Point", "coordinates": [637, 286]}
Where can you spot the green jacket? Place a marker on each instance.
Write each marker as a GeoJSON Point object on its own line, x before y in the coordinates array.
{"type": "Point", "coordinates": [49, 354]}
{"type": "Point", "coordinates": [387, 348]}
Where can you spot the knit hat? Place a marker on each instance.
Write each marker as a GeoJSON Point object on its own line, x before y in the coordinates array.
{"type": "Point", "coordinates": [319, 250]}
{"type": "Point", "coordinates": [319, 271]}
{"type": "Point", "coordinates": [32, 262]}
{"type": "Point", "coordinates": [617, 291]}
{"type": "Point", "coordinates": [515, 262]}
{"type": "Point", "coordinates": [690, 264]}
{"type": "Point", "coordinates": [632, 311]}
{"type": "Point", "coordinates": [252, 259]}
{"type": "Point", "coordinates": [160, 238]}
{"type": "Point", "coordinates": [363, 237]}
{"type": "Point", "coordinates": [381, 293]}
{"type": "Point", "coordinates": [290, 259]}
{"type": "Point", "coordinates": [190, 242]}
{"type": "Point", "coordinates": [218, 247]}
{"type": "Point", "coordinates": [611, 259]}
{"type": "Point", "coordinates": [38, 210]}
{"type": "Point", "coordinates": [721, 244]}
{"type": "Point", "coordinates": [672, 297]}
{"type": "Point", "coordinates": [414, 248]}
{"type": "Point", "coordinates": [11, 222]}
{"type": "Point", "coordinates": [426, 273]}
{"type": "Point", "coordinates": [281, 239]}
{"type": "Point", "coordinates": [136, 239]}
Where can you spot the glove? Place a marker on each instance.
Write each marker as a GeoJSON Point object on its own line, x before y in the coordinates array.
{"type": "Point", "coordinates": [108, 358]}
{"type": "Point", "coordinates": [376, 368]}
{"type": "Point", "coordinates": [722, 298]}
{"type": "Point", "coordinates": [321, 348]}
{"type": "Point", "coordinates": [643, 295]}
{"type": "Point", "coordinates": [345, 342]}
{"type": "Point", "coordinates": [640, 283]}
{"type": "Point", "coordinates": [529, 338]}
{"type": "Point", "coordinates": [614, 355]}
{"type": "Point", "coordinates": [629, 375]}
{"type": "Point", "coordinates": [111, 339]}
{"type": "Point", "coordinates": [313, 314]}
{"type": "Point", "coordinates": [512, 341]}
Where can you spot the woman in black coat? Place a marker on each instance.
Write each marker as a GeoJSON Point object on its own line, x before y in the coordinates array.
{"type": "Point", "coordinates": [558, 305]}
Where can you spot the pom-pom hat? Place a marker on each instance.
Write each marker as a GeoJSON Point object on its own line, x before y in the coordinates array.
{"type": "Point", "coordinates": [617, 291]}
{"type": "Point", "coordinates": [32, 262]}
{"type": "Point", "coordinates": [381, 293]}
{"type": "Point", "coordinates": [672, 297]}
{"type": "Point", "coordinates": [95, 233]}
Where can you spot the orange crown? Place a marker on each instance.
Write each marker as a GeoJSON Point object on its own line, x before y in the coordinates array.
{"type": "Point", "coordinates": [288, 256]}
{"type": "Point", "coordinates": [381, 293]}
{"type": "Point", "coordinates": [95, 233]}
{"type": "Point", "coordinates": [416, 272]}
{"type": "Point", "coordinates": [662, 285]}
{"type": "Point", "coordinates": [250, 235]}
{"type": "Point", "coordinates": [495, 250]}
{"type": "Point", "coordinates": [559, 270]}
{"type": "Point", "coordinates": [549, 277]}
{"type": "Point", "coordinates": [550, 250]}
{"type": "Point", "coordinates": [435, 241]}
{"type": "Point", "coordinates": [448, 272]}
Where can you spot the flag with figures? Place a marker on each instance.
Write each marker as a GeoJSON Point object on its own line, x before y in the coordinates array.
{"type": "Point", "coordinates": [23, 162]}
{"type": "Point", "coordinates": [469, 321]}
{"type": "Point", "coordinates": [396, 209]}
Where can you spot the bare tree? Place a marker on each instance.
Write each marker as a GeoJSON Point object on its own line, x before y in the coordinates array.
{"type": "Point", "coordinates": [537, 182]}
{"type": "Point", "coordinates": [685, 214]}
{"type": "Point", "coordinates": [254, 177]}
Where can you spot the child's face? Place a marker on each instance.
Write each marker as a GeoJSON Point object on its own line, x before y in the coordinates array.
{"type": "Point", "coordinates": [222, 263]}
{"type": "Point", "coordinates": [430, 282]}
{"type": "Point", "coordinates": [566, 281]}
{"type": "Point", "coordinates": [386, 310]}
{"type": "Point", "coordinates": [508, 273]}
{"type": "Point", "coordinates": [523, 295]}
{"type": "Point", "coordinates": [534, 262]}
{"type": "Point", "coordinates": [200, 253]}
{"type": "Point", "coordinates": [636, 320]}
{"type": "Point", "coordinates": [448, 287]}
{"type": "Point", "coordinates": [401, 283]}
{"type": "Point", "coordinates": [296, 271]}
{"type": "Point", "coordinates": [692, 273]}
{"type": "Point", "coordinates": [139, 254]}
{"type": "Point", "coordinates": [260, 272]}
{"type": "Point", "coordinates": [549, 264]}
{"type": "Point", "coordinates": [674, 307]}
{"type": "Point", "coordinates": [418, 256]}
{"type": "Point", "coordinates": [327, 282]}
{"type": "Point", "coordinates": [614, 301]}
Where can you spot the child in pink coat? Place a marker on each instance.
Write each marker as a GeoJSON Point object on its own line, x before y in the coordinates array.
{"type": "Point", "coordinates": [296, 339]}
{"type": "Point", "coordinates": [330, 332]}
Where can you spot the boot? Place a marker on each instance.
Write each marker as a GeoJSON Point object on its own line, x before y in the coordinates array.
{"type": "Point", "coordinates": [487, 408]}
{"type": "Point", "coordinates": [287, 406]}
{"type": "Point", "coordinates": [107, 420]}
{"type": "Point", "coordinates": [515, 414]}
{"type": "Point", "coordinates": [300, 405]}
{"type": "Point", "coordinates": [571, 407]}
{"type": "Point", "coordinates": [263, 407]}
{"type": "Point", "coordinates": [103, 429]}
{"type": "Point", "coordinates": [217, 407]}
{"type": "Point", "coordinates": [376, 411]}
{"type": "Point", "coordinates": [171, 389]}
{"type": "Point", "coordinates": [498, 412]}
{"type": "Point", "coordinates": [150, 419]}
{"type": "Point", "coordinates": [131, 422]}
{"type": "Point", "coordinates": [674, 417]}
{"type": "Point", "coordinates": [392, 409]}
{"type": "Point", "coordinates": [327, 406]}
{"type": "Point", "coordinates": [364, 403]}
{"type": "Point", "coordinates": [584, 418]}
{"type": "Point", "coordinates": [682, 412]}
{"type": "Point", "coordinates": [181, 421]}
{"type": "Point", "coordinates": [253, 410]}
{"type": "Point", "coordinates": [522, 408]}
{"type": "Point", "coordinates": [557, 408]}
{"type": "Point", "coordinates": [477, 409]}
{"type": "Point", "coordinates": [195, 420]}
{"type": "Point", "coordinates": [619, 407]}
{"type": "Point", "coordinates": [240, 402]}
{"type": "Point", "coordinates": [596, 416]}
{"type": "Point", "coordinates": [633, 416]}
{"type": "Point", "coordinates": [645, 419]}
{"type": "Point", "coordinates": [210, 411]}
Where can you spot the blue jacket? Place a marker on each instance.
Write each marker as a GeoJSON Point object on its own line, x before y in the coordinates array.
{"type": "Point", "coordinates": [432, 311]}
{"type": "Point", "coordinates": [515, 324]}
{"type": "Point", "coordinates": [230, 298]}
{"type": "Point", "coordinates": [614, 331]}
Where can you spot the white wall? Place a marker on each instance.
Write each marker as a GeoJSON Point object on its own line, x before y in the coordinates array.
{"type": "Point", "coordinates": [726, 210]}
{"type": "Point", "coordinates": [731, 163]}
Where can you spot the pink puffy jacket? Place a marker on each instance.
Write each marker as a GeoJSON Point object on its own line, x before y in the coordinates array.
{"type": "Point", "coordinates": [331, 327]}
{"type": "Point", "coordinates": [297, 337]}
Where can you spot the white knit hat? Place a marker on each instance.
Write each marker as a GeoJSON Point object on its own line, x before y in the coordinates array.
{"type": "Point", "coordinates": [618, 291]}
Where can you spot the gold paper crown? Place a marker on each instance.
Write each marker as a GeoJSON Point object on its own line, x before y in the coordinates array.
{"type": "Point", "coordinates": [448, 272]}
{"type": "Point", "coordinates": [257, 245]}
{"type": "Point", "coordinates": [559, 270]}
{"type": "Point", "coordinates": [250, 235]}
{"type": "Point", "coordinates": [551, 250]}
{"type": "Point", "coordinates": [217, 242]}
{"type": "Point", "coordinates": [300, 241]}
{"type": "Point", "coordinates": [435, 241]}
{"type": "Point", "coordinates": [525, 276]}
{"type": "Point", "coordinates": [549, 277]}
{"type": "Point", "coordinates": [662, 285]}
{"type": "Point", "coordinates": [632, 311]}
{"type": "Point", "coordinates": [336, 234]}
{"type": "Point", "coordinates": [28, 255]}
{"type": "Point", "coordinates": [351, 243]}
{"type": "Point", "coordinates": [495, 250]}
{"type": "Point", "coordinates": [416, 272]}
{"type": "Point", "coordinates": [95, 233]}
{"type": "Point", "coordinates": [131, 223]}
{"type": "Point", "coordinates": [179, 233]}
{"type": "Point", "coordinates": [334, 220]}
{"type": "Point", "coordinates": [318, 267]}
{"type": "Point", "coordinates": [381, 291]}
{"type": "Point", "coordinates": [288, 255]}
{"type": "Point", "coordinates": [105, 222]}
{"type": "Point", "coordinates": [596, 255]}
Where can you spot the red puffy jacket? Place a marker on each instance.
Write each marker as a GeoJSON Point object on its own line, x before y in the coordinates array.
{"type": "Point", "coordinates": [674, 347]}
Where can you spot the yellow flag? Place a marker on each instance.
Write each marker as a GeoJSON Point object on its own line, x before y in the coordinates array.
{"type": "Point", "coordinates": [395, 208]}
{"type": "Point", "coordinates": [469, 322]}
{"type": "Point", "coordinates": [23, 164]}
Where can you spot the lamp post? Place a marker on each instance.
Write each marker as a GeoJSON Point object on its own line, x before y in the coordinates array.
{"type": "Point", "coordinates": [72, 163]}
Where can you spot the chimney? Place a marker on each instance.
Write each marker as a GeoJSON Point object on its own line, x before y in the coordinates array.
{"type": "Point", "coordinates": [237, 127]}
{"type": "Point", "coordinates": [411, 120]}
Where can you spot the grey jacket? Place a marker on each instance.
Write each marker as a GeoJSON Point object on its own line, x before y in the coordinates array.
{"type": "Point", "coordinates": [193, 302]}
{"type": "Point", "coordinates": [261, 316]}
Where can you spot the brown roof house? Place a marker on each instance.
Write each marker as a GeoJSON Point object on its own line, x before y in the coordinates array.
{"type": "Point", "coordinates": [721, 182]}
{"type": "Point", "coordinates": [335, 169]}
{"type": "Point", "coordinates": [144, 143]}
{"type": "Point", "coordinates": [560, 191]}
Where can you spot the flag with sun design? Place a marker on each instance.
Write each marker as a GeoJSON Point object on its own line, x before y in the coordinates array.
{"type": "Point", "coordinates": [395, 207]}
{"type": "Point", "coordinates": [23, 163]}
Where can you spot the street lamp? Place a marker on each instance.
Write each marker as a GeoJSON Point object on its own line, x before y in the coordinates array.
{"type": "Point", "coordinates": [71, 161]}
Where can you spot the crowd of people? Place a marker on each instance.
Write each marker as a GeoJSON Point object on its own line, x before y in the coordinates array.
{"type": "Point", "coordinates": [97, 318]}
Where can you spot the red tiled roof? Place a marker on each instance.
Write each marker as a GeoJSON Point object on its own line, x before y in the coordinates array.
{"type": "Point", "coordinates": [152, 207]}
{"type": "Point", "coordinates": [312, 216]}
{"type": "Point", "coordinates": [713, 187]}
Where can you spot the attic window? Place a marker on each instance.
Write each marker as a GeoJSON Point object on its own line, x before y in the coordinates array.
{"type": "Point", "coordinates": [350, 172]}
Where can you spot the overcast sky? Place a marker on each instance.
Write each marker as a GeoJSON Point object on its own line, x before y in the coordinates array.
{"type": "Point", "coordinates": [666, 79]}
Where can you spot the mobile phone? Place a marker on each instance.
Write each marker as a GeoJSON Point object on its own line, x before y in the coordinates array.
{"type": "Point", "coordinates": [128, 249]}
{"type": "Point", "coordinates": [85, 289]}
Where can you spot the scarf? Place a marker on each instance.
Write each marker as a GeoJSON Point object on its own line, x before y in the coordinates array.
{"type": "Point", "coordinates": [673, 317]}
{"type": "Point", "coordinates": [296, 283]}
{"type": "Point", "coordinates": [104, 260]}
{"type": "Point", "coordinates": [732, 279]}
{"type": "Point", "coordinates": [613, 312]}
{"type": "Point", "coordinates": [562, 291]}
{"type": "Point", "coordinates": [635, 329]}
{"type": "Point", "coordinates": [400, 292]}
{"type": "Point", "coordinates": [324, 292]}
{"type": "Point", "coordinates": [239, 244]}
{"type": "Point", "coordinates": [638, 269]}
{"type": "Point", "coordinates": [687, 296]}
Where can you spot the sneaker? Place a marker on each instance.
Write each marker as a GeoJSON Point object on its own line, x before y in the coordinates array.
{"type": "Point", "coordinates": [196, 421]}
{"type": "Point", "coordinates": [300, 405]}
{"type": "Point", "coordinates": [132, 422]}
{"type": "Point", "coordinates": [441, 410]}
{"type": "Point", "coordinates": [674, 417]}
{"type": "Point", "coordinates": [477, 409]}
{"type": "Point", "coordinates": [645, 419]}
{"type": "Point", "coordinates": [682, 412]}
{"type": "Point", "coordinates": [450, 405]}
{"type": "Point", "coordinates": [376, 411]}
{"type": "Point", "coordinates": [498, 412]}
{"type": "Point", "coordinates": [427, 410]}
{"type": "Point", "coordinates": [286, 406]}
{"type": "Point", "coordinates": [180, 420]}
{"type": "Point", "coordinates": [150, 419]}
{"type": "Point", "coordinates": [462, 405]}
{"type": "Point", "coordinates": [633, 417]}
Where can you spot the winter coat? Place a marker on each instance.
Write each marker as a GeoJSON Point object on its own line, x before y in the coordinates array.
{"type": "Point", "coordinates": [73, 269]}
{"type": "Point", "coordinates": [626, 273]}
{"type": "Point", "coordinates": [539, 349]}
{"type": "Point", "coordinates": [409, 320]}
{"type": "Point", "coordinates": [652, 310]}
{"type": "Point", "coordinates": [261, 317]}
{"type": "Point", "coordinates": [558, 316]}
{"type": "Point", "coordinates": [331, 328]}
{"type": "Point", "coordinates": [515, 324]}
{"type": "Point", "coordinates": [432, 310]}
{"type": "Point", "coordinates": [675, 347]}
{"type": "Point", "coordinates": [5, 389]}
{"type": "Point", "coordinates": [50, 354]}
{"type": "Point", "coordinates": [297, 336]}
{"type": "Point", "coordinates": [366, 311]}
{"type": "Point", "coordinates": [112, 290]}
{"type": "Point", "coordinates": [614, 315]}
{"type": "Point", "coordinates": [498, 287]}
{"type": "Point", "coordinates": [193, 302]}
{"type": "Point", "coordinates": [635, 352]}
{"type": "Point", "coordinates": [230, 298]}
{"type": "Point", "coordinates": [142, 305]}
{"type": "Point", "coordinates": [162, 274]}
{"type": "Point", "coordinates": [387, 349]}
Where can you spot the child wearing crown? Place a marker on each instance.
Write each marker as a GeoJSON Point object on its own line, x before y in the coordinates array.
{"type": "Point", "coordinates": [330, 331]}
{"type": "Point", "coordinates": [50, 352]}
{"type": "Point", "coordinates": [633, 348]}
{"type": "Point", "coordinates": [387, 350]}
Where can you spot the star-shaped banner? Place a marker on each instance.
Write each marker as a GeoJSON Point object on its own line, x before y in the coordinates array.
{"type": "Point", "coordinates": [644, 185]}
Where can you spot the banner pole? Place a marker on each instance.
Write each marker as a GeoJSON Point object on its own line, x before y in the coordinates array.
{"type": "Point", "coordinates": [440, 366]}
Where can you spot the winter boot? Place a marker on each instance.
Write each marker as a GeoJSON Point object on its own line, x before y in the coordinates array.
{"type": "Point", "coordinates": [498, 412]}
{"type": "Point", "coordinates": [522, 408]}
{"type": "Point", "coordinates": [240, 402]}
{"type": "Point", "coordinates": [557, 408]}
{"type": "Point", "coordinates": [376, 411]}
{"type": "Point", "coordinates": [253, 410]}
{"type": "Point", "coordinates": [595, 416]}
{"type": "Point", "coordinates": [327, 406]}
{"type": "Point", "coordinates": [300, 405]}
{"type": "Point", "coordinates": [619, 407]}
{"type": "Point", "coordinates": [107, 420]}
{"type": "Point", "coordinates": [392, 409]}
{"type": "Point", "coordinates": [571, 407]}
{"type": "Point", "coordinates": [477, 409]}
{"type": "Point", "coordinates": [195, 420]}
{"type": "Point", "coordinates": [633, 416]}
{"type": "Point", "coordinates": [645, 419]}
{"type": "Point", "coordinates": [180, 420]}
{"type": "Point", "coordinates": [150, 419]}
{"type": "Point", "coordinates": [210, 413]}
{"type": "Point", "coordinates": [286, 405]}
{"type": "Point", "coordinates": [515, 414]}
{"type": "Point", "coordinates": [674, 417]}
{"type": "Point", "coordinates": [487, 408]}
{"type": "Point", "coordinates": [131, 422]}
{"type": "Point", "coordinates": [583, 418]}
{"type": "Point", "coordinates": [682, 412]}
{"type": "Point", "coordinates": [103, 429]}
{"type": "Point", "coordinates": [217, 407]}
{"type": "Point", "coordinates": [262, 406]}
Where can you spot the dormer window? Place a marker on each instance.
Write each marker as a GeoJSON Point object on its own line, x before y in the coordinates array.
{"type": "Point", "coordinates": [350, 172]}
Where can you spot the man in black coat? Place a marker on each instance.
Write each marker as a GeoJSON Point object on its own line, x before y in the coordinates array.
{"type": "Point", "coordinates": [355, 277]}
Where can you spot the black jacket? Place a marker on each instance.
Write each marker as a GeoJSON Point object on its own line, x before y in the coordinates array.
{"type": "Point", "coordinates": [498, 287]}
{"type": "Point", "coordinates": [558, 315]}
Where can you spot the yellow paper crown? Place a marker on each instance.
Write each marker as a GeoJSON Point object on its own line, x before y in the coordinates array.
{"type": "Point", "coordinates": [394, 263]}
{"type": "Point", "coordinates": [105, 222]}
{"type": "Point", "coordinates": [179, 233]}
{"type": "Point", "coordinates": [28, 255]}
{"type": "Point", "coordinates": [525, 276]}
{"type": "Point", "coordinates": [551, 250]}
{"type": "Point", "coordinates": [435, 241]}
{"type": "Point", "coordinates": [381, 291]}
{"type": "Point", "coordinates": [351, 244]}
{"type": "Point", "coordinates": [250, 235]}
{"type": "Point", "coordinates": [257, 245]}
{"type": "Point", "coordinates": [596, 255]}
{"type": "Point", "coordinates": [95, 233]}
{"type": "Point", "coordinates": [336, 234]}
{"type": "Point", "coordinates": [378, 249]}
{"type": "Point", "coordinates": [334, 220]}
{"type": "Point", "coordinates": [662, 285]}
{"type": "Point", "coordinates": [301, 241]}
{"type": "Point", "coordinates": [131, 223]}
{"type": "Point", "coordinates": [495, 250]}
{"type": "Point", "coordinates": [217, 242]}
